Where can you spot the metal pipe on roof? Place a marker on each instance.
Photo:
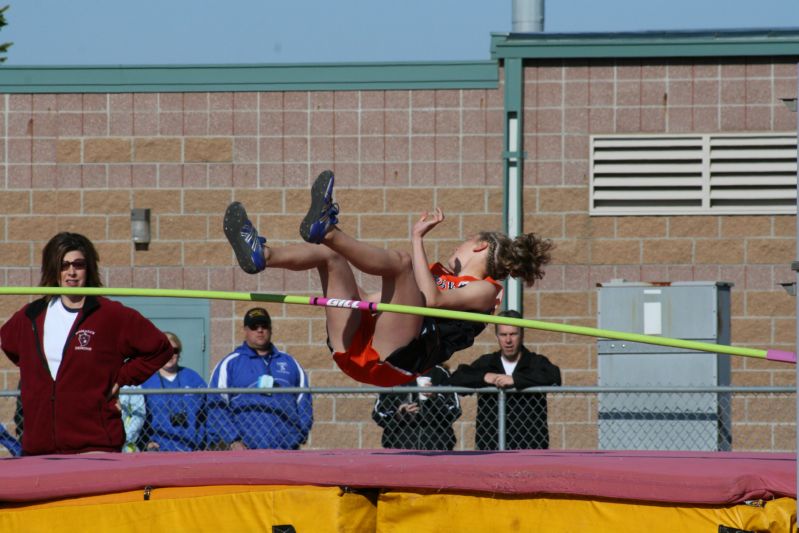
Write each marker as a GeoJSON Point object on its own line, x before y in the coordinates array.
{"type": "Point", "coordinates": [528, 16]}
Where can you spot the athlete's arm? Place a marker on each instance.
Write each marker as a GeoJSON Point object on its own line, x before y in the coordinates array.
{"type": "Point", "coordinates": [421, 270]}
{"type": "Point", "coordinates": [477, 296]}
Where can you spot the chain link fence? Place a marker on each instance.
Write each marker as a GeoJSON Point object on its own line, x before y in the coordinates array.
{"type": "Point", "coordinates": [451, 418]}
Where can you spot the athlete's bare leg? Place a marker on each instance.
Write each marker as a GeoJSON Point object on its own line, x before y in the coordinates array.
{"type": "Point", "coordinates": [392, 330]}
{"type": "Point", "coordinates": [338, 281]}
{"type": "Point", "coordinates": [319, 226]}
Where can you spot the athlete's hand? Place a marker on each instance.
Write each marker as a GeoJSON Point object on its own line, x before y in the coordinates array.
{"type": "Point", "coordinates": [427, 222]}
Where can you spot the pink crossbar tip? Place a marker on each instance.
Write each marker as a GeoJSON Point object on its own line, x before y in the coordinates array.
{"type": "Point", "coordinates": [783, 357]}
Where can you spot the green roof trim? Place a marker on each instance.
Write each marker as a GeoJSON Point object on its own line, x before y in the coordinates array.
{"type": "Point", "coordinates": [240, 78]}
{"type": "Point", "coordinates": [679, 44]}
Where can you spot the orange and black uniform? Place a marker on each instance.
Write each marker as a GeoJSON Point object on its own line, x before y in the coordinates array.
{"type": "Point", "coordinates": [438, 339]}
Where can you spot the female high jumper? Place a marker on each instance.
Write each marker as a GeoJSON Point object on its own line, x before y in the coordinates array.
{"type": "Point", "coordinates": [388, 349]}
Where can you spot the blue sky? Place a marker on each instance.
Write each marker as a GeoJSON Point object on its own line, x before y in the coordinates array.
{"type": "Point", "coordinates": [114, 32]}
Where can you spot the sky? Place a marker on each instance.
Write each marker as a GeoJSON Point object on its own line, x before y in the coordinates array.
{"type": "Point", "coordinates": [156, 32]}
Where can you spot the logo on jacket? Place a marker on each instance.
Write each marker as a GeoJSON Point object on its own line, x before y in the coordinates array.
{"type": "Point", "coordinates": [282, 367]}
{"type": "Point", "coordinates": [84, 338]}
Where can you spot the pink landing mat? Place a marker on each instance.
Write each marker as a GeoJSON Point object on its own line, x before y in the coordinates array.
{"type": "Point", "coordinates": [673, 477]}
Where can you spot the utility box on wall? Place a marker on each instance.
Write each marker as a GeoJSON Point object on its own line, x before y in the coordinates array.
{"type": "Point", "coordinates": [698, 311]}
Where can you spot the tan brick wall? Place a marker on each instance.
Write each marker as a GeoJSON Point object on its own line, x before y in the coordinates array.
{"type": "Point", "coordinates": [81, 162]}
{"type": "Point", "coordinates": [564, 105]}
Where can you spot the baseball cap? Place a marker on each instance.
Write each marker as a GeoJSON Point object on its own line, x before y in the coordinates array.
{"type": "Point", "coordinates": [257, 315]}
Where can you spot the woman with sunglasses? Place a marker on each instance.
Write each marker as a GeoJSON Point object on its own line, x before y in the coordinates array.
{"type": "Point", "coordinates": [75, 352]}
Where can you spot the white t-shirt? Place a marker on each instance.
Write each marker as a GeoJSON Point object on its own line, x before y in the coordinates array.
{"type": "Point", "coordinates": [509, 367]}
{"type": "Point", "coordinates": [58, 322]}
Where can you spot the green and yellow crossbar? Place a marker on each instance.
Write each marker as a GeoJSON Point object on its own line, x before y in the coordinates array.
{"type": "Point", "coordinates": [771, 355]}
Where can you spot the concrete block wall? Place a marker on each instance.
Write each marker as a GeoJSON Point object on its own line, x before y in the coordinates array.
{"type": "Point", "coordinates": [80, 162]}
{"type": "Point", "coordinates": [566, 103]}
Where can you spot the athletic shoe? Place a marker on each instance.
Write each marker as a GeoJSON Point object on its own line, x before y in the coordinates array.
{"type": "Point", "coordinates": [321, 215]}
{"type": "Point", "coordinates": [244, 239]}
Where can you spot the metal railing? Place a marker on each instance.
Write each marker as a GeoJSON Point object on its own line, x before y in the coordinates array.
{"type": "Point", "coordinates": [666, 418]}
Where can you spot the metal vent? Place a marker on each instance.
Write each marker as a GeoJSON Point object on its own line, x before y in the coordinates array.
{"type": "Point", "coordinates": [693, 174]}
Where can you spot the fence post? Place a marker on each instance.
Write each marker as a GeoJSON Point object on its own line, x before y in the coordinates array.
{"type": "Point", "coordinates": [501, 419]}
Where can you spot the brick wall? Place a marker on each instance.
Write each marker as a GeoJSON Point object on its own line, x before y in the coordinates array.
{"type": "Point", "coordinates": [565, 103]}
{"type": "Point", "coordinates": [80, 162]}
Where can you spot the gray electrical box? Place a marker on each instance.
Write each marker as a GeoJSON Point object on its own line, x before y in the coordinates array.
{"type": "Point", "coordinates": [698, 311]}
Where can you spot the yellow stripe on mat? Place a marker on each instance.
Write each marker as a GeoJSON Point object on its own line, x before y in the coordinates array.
{"type": "Point", "coordinates": [404, 511]}
{"type": "Point", "coordinates": [210, 508]}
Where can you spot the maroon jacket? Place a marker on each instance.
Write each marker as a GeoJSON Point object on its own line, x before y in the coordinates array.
{"type": "Point", "coordinates": [109, 343]}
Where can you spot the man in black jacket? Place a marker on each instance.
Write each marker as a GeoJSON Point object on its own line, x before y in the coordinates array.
{"type": "Point", "coordinates": [417, 421]}
{"type": "Point", "coordinates": [513, 366]}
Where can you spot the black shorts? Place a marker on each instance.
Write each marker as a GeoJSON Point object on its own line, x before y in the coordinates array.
{"type": "Point", "coordinates": [435, 344]}
{"type": "Point", "coordinates": [422, 353]}
{"type": "Point", "coordinates": [438, 340]}
{"type": "Point", "coordinates": [419, 355]}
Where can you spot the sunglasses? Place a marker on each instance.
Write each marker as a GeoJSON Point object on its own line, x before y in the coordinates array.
{"type": "Point", "coordinates": [256, 327]}
{"type": "Point", "coordinates": [77, 264]}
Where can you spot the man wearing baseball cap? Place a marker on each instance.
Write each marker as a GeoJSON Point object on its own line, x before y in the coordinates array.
{"type": "Point", "coordinates": [267, 418]}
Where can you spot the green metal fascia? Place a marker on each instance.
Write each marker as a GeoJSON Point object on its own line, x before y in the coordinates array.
{"type": "Point", "coordinates": [239, 78]}
{"type": "Point", "coordinates": [514, 108]}
{"type": "Point", "coordinates": [773, 43]}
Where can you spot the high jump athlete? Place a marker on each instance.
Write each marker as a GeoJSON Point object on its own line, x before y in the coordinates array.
{"type": "Point", "coordinates": [388, 349]}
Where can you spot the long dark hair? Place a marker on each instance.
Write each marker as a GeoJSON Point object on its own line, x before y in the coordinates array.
{"type": "Point", "coordinates": [59, 246]}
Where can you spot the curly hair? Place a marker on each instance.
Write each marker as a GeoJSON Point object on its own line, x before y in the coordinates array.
{"type": "Point", "coordinates": [523, 257]}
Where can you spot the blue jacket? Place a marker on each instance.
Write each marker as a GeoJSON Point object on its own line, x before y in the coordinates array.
{"type": "Point", "coordinates": [277, 421]}
{"type": "Point", "coordinates": [9, 442]}
{"type": "Point", "coordinates": [187, 411]}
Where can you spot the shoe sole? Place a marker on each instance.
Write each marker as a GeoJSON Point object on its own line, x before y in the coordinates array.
{"type": "Point", "coordinates": [235, 218]}
{"type": "Point", "coordinates": [318, 192]}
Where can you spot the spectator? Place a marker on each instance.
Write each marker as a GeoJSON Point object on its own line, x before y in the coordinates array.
{"type": "Point", "coordinates": [18, 418]}
{"type": "Point", "coordinates": [8, 441]}
{"type": "Point", "coordinates": [513, 366]}
{"type": "Point", "coordinates": [263, 420]}
{"type": "Point", "coordinates": [417, 421]}
{"type": "Point", "coordinates": [75, 352]}
{"type": "Point", "coordinates": [175, 422]}
{"type": "Point", "coordinates": [133, 413]}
